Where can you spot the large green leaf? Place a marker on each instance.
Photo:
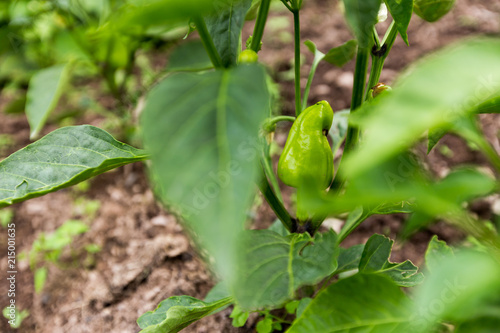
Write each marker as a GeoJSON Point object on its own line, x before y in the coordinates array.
{"type": "Point", "coordinates": [274, 266]}
{"type": "Point", "coordinates": [480, 325]}
{"type": "Point", "coordinates": [60, 159]}
{"type": "Point", "coordinates": [361, 303]}
{"type": "Point", "coordinates": [434, 93]}
{"type": "Point", "coordinates": [401, 11]}
{"type": "Point", "coordinates": [361, 15]}
{"type": "Point", "coordinates": [178, 312]}
{"type": "Point", "coordinates": [45, 88]}
{"type": "Point", "coordinates": [375, 260]}
{"type": "Point", "coordinates": [225, 28]}
{"type": "Point", "coordinates": [455, 289]}
{"type": "Point", "coordinates": [202, 133]}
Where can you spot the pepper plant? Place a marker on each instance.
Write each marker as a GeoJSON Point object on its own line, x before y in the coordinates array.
{"type": "Point", "coordinates": [207, 131]}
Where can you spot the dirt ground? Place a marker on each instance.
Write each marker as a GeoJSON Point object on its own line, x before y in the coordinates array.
{"type": "Point", "coordinates": [145, 257]}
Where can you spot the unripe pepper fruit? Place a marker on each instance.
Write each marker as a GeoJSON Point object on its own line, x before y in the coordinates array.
{"type": "Point", "coordinates": [307, 159]}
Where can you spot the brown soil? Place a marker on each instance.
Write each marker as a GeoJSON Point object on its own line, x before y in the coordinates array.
{"type": "Point", "coordinates": [145, 255]}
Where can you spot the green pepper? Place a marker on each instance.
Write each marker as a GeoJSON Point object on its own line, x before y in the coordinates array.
{"type": "Point", "coordinates": [307, 159]}
{"type": "Point", "coordinates": [432, 10]}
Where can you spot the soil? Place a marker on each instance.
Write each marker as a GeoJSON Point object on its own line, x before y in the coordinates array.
{"type": "Point", "coordinates": [145, 256]}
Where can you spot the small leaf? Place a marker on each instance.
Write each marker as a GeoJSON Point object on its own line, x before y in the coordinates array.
{"type": "Point", "coordinates": [437, 251]}
{"type": "Point", "coordinates": [40, 278]}
{"type": "Point", "coordinates": [375, 259]}
{"type": "Point", "coordinates": [433, 137]}
{"type": "Point", "coordinates": [433, 10]}
{"type": "Point", "coordinates": [341, 55]}
{"type": "Point", "coordinates": [338, 130]}
{"type": "Point", "coordinates": [189, 56]}
{"type": "Point", "coordinates": [291, 307]}
{"type": "Point", "coordinates": [60, 159]}
{"type": "Point", "coordinates": [265, 326]}
{"type": "Point", "coordinates": [176, 313]}
{"type": "Point", "coordinates": [239, 317]}
{"type": "Point", "coordinates": [225, 28]}
{"type": "Point", "coordinates": [44, 90]}
{"type": "Point", "coordinates": [362, 15]}
{"type": "Point", "coordinates": [304, 303]}
{"type": "Point", "coordinates": [274, 266]}
{"type": "Point", "coordinates": [361, 303]}
{"type": "Point", "coordinates": [401, 11]}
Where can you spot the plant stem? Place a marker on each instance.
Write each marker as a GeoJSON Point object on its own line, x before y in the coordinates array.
{"type": "Point", "coordinates": [260, 24]}
{"type": "Point", "coordinates": [358, 93]}
{"type": "Point", "coordinates": [208, 42]}
{"type": "Point", "coordinates": [296, 24]}
{"type": "Point", "coordinates": [379, 54]}
{"type": "Point", "coordinates": [268, 169]}
{"type": "Point", "coordinates": [276, 205]}
{"type": "Point", "coordinates": [277, 119]}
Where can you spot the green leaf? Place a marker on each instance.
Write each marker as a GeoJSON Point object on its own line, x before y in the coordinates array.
{"type": "Point", "coordinates": [318, 56]}
{"type": "Point", "coordinates": [433, 137]}
{"type": "Point", "coordinates": [279, 228]}
{"type": "Point", "coordinates": [480, 325]}
{"type": "Point", "coordinates": [436, 92]}
{"type": "Point", "coordinates": [338, 130]}
{"type": "Point", "coordinates": [202, 133]}
{"type": "Point", "coordinates": [375, 259]}
{"type": "Point", "coordinates": [176, 313]}
{"type": "Point", "coordinates": [355, 218]}
{"type": "Point", "coordinates": [341, 55]}
{"type": "Point", "coordinates": [491, 105]}
{"type": "Point", "coordinates": [225, 28]}
{"type": "Point", "coordinates": [401, 11]}
{"type": "Point", "coordinates": [437, 252]}
{"type": "Point", "coordinates": [137, 15]}
{"type": "Point", "coordinates": [189, 56]}
{"type": "Point", "coordinates": [362, 15]}
{"type": "Point", "coordinates": [40, 278]}
{"type": "Point", "coordinates": [392, 208]}
{"type": "Point", "coordinates": [361, 303]}
{"type": "Point", "coordinates": [304, 303]}
{"type": "Point", "coordinates": [265, 326]}
{"type": "Point", "coordinates": [433, 10]}
{"type": "Point", "coordinates": [455, 288]}
{"type": "Point", "coordinates": [239, 316]}
{"type": "Point", "coordinates": [60, 159]}
{"type": "Point", "coordinates": [349, 258]}
{"type": "Point", "coordinates": [45, 88]}
{"type": "Point", "coordinates": [274, 266]}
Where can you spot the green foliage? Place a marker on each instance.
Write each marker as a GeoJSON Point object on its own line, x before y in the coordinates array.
{"type": "Point", "coordinates": [208, 127]}
{"type": "Point", "coordinates": [401, 11]}
{"type": "Point", "coordinates": [361, 15]}
{"type": "Point", "coordinates": [343, 308]}
{"type": "Point", "coordinates": [214, 134]}
{"type": "Point", "coordinates": [6, 216]}
{"type": "Point", "coordinates": [278, 265]}
{"type": "Point", "coordinates": [47, 249]}
{"type": "Point", "coordinates": [45, 88]}
{"type": "Point", "coordinates": [14, 316]}
{"type": "Point", "coordinates": [60, 159]}
{"type": "Point", "coordinates": [176, 313]}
